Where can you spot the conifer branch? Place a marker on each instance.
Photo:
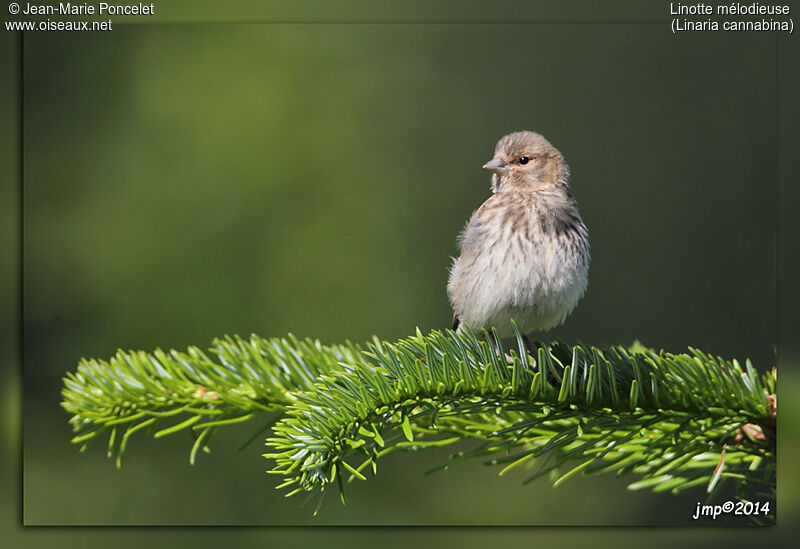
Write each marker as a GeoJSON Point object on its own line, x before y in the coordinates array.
{"type": "Point", "coordinates": [135, 390]}
{"type": "Point", "coordinates": [677, 420]}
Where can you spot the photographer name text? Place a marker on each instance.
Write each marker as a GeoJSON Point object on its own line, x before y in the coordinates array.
{"type": "Point", "coordinates": [102, 8]}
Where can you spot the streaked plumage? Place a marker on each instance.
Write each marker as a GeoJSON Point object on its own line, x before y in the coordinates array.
{"type": "Point", "coordinates": [525, 251]}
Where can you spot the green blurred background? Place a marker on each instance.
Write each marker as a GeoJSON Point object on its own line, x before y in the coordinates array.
{"type": "Point", "coordinates": [185, 182]}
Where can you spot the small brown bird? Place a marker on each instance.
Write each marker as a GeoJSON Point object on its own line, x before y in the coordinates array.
{"type": "Point", "coordinates": [525, 251]}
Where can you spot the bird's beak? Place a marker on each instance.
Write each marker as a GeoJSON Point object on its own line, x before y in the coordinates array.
{"type": "Point", "coordinates": [496, 165]}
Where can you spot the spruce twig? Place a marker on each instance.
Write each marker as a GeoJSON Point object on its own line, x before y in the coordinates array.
{"type": "Point", "coordinates": [677, 421]}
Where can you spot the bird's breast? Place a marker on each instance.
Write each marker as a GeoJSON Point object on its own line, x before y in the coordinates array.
{"type": "Point", "coordinates": [522, 257]}
{"type": "Point", "coordinates": [537, 251]}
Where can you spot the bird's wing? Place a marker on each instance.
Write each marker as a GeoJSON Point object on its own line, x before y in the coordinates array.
{"type": "Point", "coordinates": [471, 242]}
{"type": "Point", "coordinates": [473, 234]}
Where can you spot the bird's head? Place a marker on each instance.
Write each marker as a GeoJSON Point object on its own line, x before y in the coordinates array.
{"type": "Point", "coordinates": [526, 160]}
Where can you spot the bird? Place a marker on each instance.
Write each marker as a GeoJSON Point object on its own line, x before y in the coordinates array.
{"type": "Point", "coordinates": [524, 253]}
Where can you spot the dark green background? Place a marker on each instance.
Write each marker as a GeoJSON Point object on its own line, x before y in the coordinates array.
{"type": "Point", "coordinates": [185, 182]}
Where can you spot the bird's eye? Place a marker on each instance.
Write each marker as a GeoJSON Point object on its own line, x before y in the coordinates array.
{"type": "Point", "coordinates": [523, 160]}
